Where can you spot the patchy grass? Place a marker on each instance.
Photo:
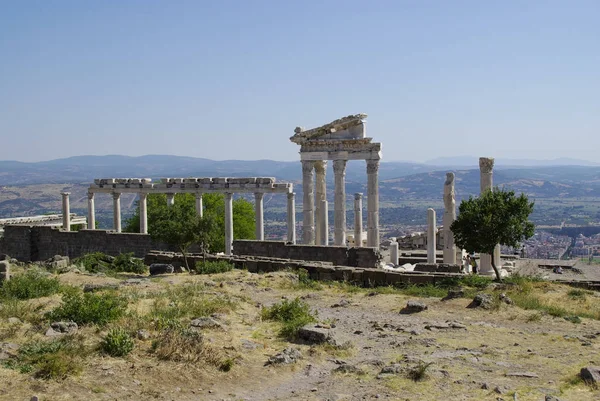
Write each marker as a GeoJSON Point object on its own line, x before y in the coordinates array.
{"type": "Point", "coordinates": [292, 314]}
{"type": "Point", "coordinates": [419, 372]}
{"type": "Point", "coordinates": [23, 310]}
{"type": "Point", "coordinates": [578, 294]}
{"type": "Point", "coordinates": [90, 308]}
{"type": "Point", "coordinates": [29, 285]}
{"type": "Point", "coordinates": [212, 267]}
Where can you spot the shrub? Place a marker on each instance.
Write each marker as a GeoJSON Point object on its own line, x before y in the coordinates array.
{"type": "Point", "coordinates": [95, 262]}
{"type": "Point", "coordinates": [212, 267]}
{"type": "Point", "coordinates": [90, 308]}
{"type": "Point", "coordinates": [117, 342]}
{"type": "Point", "coordinates": [126, 262]}
{"type": "Point", "coordinates": [292, 314]}
{"type": "Point", "coordinates": [419, 372]}
{"type": "Point", "coordinates": [32, 284]}
{"type": "Point", "coordinates": [185, 345]}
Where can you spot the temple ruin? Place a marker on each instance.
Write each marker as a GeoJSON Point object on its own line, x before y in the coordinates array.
{"type": "Point", "coordinates": [340, 141]}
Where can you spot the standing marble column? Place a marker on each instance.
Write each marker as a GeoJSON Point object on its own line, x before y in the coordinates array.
{"type": "Point", "coordinates": [308, 203]}
{"type": "Point", "coordinates": [66, 211]}
{"type": "Point", "coordinates": [339, 219]}
{"type": "Point", "coordinates": [320, 196]}
{"type": "Point", "coordinates": [373, 203]}
{"type": "Point", "coordinates": [117, 211]}
{"type": "Point", "coordinates": [394, 253]}
{"type": "Point", "coordinates": [170, 199]}
{"type": "Point", "coordinates": [228, 222]}
{"type": "Point", "coordinates": [258, 211]}
{"type": "Point", "coordinates": [199, 207]}
{"type": "Point", "coordinates": [431, 231]}
{"type": "Point", "coordinates": [143, 201]}
{"type": "Point", "coordinates": [291, 217]}
{"type": "Point", "coordinates": [91, 212]}
{"type": "Point", "coordinates": [486, 171]}
{"type": "Point", "coordinates": [358, 219]}
{"type": "Point", "coordinates": [449, 217]}
{"type": "Point", "coordinates": [324, 224]}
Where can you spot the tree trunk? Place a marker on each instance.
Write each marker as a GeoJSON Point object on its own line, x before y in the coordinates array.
{"type": "Point", "coordinates": [494, 266]}
{"type": "Point", "coordinates": [184, 253]}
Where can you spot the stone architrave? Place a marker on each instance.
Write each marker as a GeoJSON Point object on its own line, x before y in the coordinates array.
{"type": "Point", "coordinates": [373, 203]}
{"type": "Point", "coordinates": [358, 230]}
{"type": "Point", "coordinates": [117, 211]}
{"type": "Point", "coordinates": [308, 203]}
{"type": "Point", "coordinates": [258, 211]}
{"type": "Point", "coordinates": [291, 217]}
{"type": "Point", "coordinates": [339, 220]}
{"type": "Point", "coordinates": [320, 196]}
{"type": "Point", "coordinates": [66, 211]}
{"type": "Point", "coordinates": [143, 201]}
{"type": "Point", "coordinates": [228, 222]}
{"type": "Point", "coordinates": [324, 224]}
{"type": "Point", "coordinates": [431, 231]}
{"type": "Point", "coordinates": [449, 217]}
{"type": "Point", "coordinates": [486, 172]}
{"type": "Point", "coordinates": [91, 223]}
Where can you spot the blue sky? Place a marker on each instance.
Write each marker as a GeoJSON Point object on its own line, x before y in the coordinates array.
{"type": "Point", "coordinates": [231, 79]}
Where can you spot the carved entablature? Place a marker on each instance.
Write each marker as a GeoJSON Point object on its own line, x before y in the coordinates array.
{"type": "Point", "coordinates": [359, 145]}
{"type": "Point", "coordinates": [486, 164]}
{"type": "Point", "coordinates": [350, 127]}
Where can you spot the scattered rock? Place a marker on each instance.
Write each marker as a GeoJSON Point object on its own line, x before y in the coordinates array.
{"type": "Point", "coordinates": [135, 281]}
{"type": "Point", "coordinates": [346, 368]}
{"type": "Point", "coordinates": [485, 386]}
{"type": "Point", "coordinates": [99, 287]}
{"type": "Point", "coordinates": [57, 262]}
{"type": "Point", "coordinates": [315, 334]}
{"type": "Point", "coordinates": [8, 350]}
{"type": "Point", "coordinates": [143, 334]}
{"type": "Point", "coordinates": [61, 328]}
{"type": "Point", "coordinates": [445, 326]}
{"type": "Point", "coordinates": [34, 398]}
{"type": "Point", "coordinates": [413, 307]}
{"type": "Point", "coordinates": [501, 389]}
{"type": "Point", "coordinates": [247, 344]}
{"type": "Point", "coordinates": [287, 356]}
{"type": "Point", "coordinates": [551, 398]}
{"type": "Point", "coordinates": [590, 374]}
{"type": "Point", "coordinates": [205, 323]}
{"type": "Point", "coordinates": [14, 320]}
{"type": "Point", "coordinates": [481, 300]}
{"type": "Point", "coordinates": [179, 269]}
{"type": "Point", "coordinates": [504, 298]}
{"type": "Point", "coordinates": [343, 303]}
{"type": "Point", "coordinates": [161, 268]}
{"type": "Point", "coordinates": [454, 293]}
{"type": "Point", "coordinates": [529, 375]}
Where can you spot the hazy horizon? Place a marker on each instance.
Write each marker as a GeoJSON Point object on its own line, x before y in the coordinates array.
{"type": "Point", "coordinates": [231, 80]}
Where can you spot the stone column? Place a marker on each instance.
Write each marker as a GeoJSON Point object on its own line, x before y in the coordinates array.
{"type": "Point", "coordinates": [339, 220]}
{"type": "Point", "coordinates": [373, 203]}
{"type": "Point", "coordinates": [394, 253]}
{"type": "Point", "coordinates": [320, 196]}
{"type": "Point", "coordinates": [291, 217]}
{"type": "Point", "coordinates": [486, 171]}
{"type": "Point", "coordinates": [66, 211]}
{"type": "Point", "coordinates": [199, 207]}
{"type": "Point", "coordinates": [449, 217]}
{"type": "Point", "coordinates": [91, 212]}
{"type": "Point", "coordinates": [258, 211]}
{"type": "Point", "coordinates": [324, 224]}
{"type": "Point", "coordinates": [431, 229]}
{"type": "Point", "coordinates": [308, 203]}
{"type": "Point", "coordinates": [170, 199]}
{"type": "Point", "coordinates": [117, 211]}
{"type": "Point", "coordinates": [228, 222]}
{"type": "Point", "coordinates": [358, 219]}
{"type": "Point", "coordinates": [143, 213]}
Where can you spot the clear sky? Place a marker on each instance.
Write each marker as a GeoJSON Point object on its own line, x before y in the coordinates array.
{"type": "Point", "coordinates": [230, 79]}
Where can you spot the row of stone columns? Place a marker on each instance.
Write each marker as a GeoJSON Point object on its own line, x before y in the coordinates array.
{"type": "Point", "coordinates": [315, 216]}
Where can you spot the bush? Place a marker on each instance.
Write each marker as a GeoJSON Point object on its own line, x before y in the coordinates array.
{"type": "Point", "coordinates": [419, 372]}
{"type": "Point", "coordinates": [293, 314]}
{"type": "Point", "coordinates": [95, 262]}
{"type": "Point", "coordinates": [212, 267]}
{"type": "Point", "coordinates": [90, 308]}
{"type": "Point", "coordinates": [126, 262]}
{"type": "Point", "coordinates": [99, 262]}
{"type": "Point", "coordinates": [117, 343]}
{"type": "Point", "coordinates": [29, 285]}
{"type": "Point", "coordinates": [186, 345]}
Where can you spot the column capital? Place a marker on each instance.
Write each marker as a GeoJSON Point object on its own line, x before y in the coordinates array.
{"type": "Point", "coordinates": [291, 195]}
{"type": "Point", "coordinates": [259, 195]}
{"type": "Point", "coordinates": [372, 166]}
{"type": "Point", "coordinates": [91, 194]}
{"type": "Point", "coordinates": [320, 166]}
{"type": "Point", "coordinates": [486, 164]}
{"type": "Point", "coordinates": [307, 166]}
{"type": "Point", "coordinates": [143, 195]}
{"type": "Point", "coordinates": [358, 195]}
{"type": "Point", "coordinates": [65, 193]}
{"type": "Point", "coordinates": [116, 195]}
{"type": "Point", "coordinates": [339, 166]}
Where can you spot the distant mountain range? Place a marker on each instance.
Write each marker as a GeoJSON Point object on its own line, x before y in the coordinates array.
{"type": "Point", "coordinates": [83, 169]}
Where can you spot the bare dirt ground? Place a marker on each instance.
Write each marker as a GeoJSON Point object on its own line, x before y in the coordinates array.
{"type": "Point", "coordinates": [474, 354]}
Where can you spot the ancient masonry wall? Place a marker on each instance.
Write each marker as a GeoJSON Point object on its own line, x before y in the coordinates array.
{"type": "Point", "coordinates": [337, 255]}
{"type": "Point", "coordinates": [27, 243]}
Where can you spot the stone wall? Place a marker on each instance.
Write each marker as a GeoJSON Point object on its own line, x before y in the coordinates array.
{"type": "Point", "coordinates": [337, 255]}
{"type": "Point", "coordinates": [31, 243]}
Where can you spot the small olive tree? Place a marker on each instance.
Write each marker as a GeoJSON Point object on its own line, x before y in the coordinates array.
{"type": "Point", "coordinates": [495, 217]}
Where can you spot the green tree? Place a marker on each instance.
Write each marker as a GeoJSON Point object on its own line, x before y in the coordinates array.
{"type": "Point", "coordinates": [496, 217]}
{"type": "Point", "coordinates": [214, 205]}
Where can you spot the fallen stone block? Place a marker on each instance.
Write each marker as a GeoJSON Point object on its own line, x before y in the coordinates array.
{"type": "Point", "coordinates": [413, 307]}
{"type": "Point", "coordinates": [62, 328]}
{"type": "Point", "coordinates": [161, 268]}
{"type": "Point", "coordinates": [485, 301]}
{"type": "Point", "coordinates": [590, 374]}
{"type": "Point", "coordinates": [314, 334]}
